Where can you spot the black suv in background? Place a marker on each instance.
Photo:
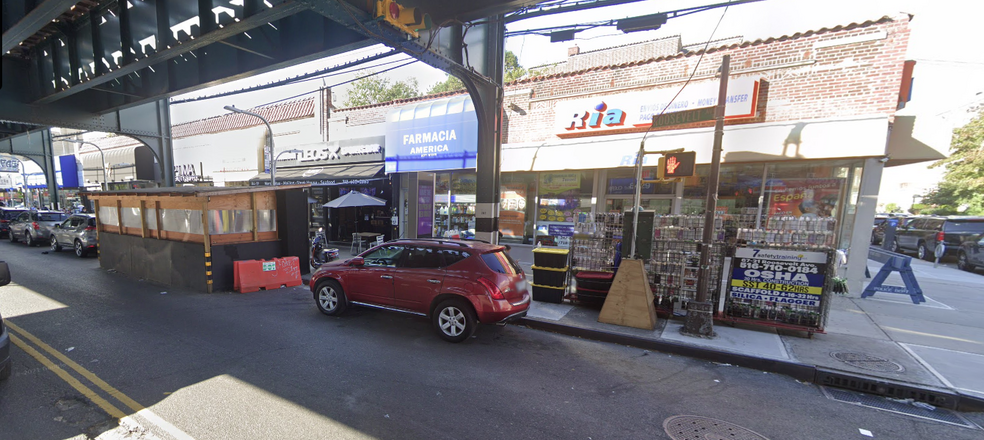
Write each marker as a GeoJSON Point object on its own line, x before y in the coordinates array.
{"type": "Point", "coordinates": [8, 215]}
{"type": "Point", "coordinates": [922, 234]}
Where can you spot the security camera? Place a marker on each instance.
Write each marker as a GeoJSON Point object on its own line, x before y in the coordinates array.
{"type": "Point", "coordinates": [884, 159]}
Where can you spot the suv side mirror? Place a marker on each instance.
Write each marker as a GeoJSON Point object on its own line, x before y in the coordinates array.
{"type": "Point", "coordinates": [358, 262]}
{"type": "Point", "coordinates": [4, 273]}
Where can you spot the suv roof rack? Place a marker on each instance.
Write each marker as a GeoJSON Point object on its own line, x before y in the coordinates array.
{"type": "Point", "coordinates": [436, 240]}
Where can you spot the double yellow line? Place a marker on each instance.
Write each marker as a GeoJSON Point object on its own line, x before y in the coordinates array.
{"type": "Point", "coordinates": [68, 378]}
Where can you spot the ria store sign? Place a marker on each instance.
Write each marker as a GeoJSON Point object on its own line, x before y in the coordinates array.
{"type": "Point", "coordinates": [634, 111]}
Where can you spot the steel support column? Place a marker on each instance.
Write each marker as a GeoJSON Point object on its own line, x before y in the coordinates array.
{"type": "Point", "coordinates": [487, 97]}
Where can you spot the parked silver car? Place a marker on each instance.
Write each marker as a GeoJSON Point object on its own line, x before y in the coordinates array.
{"type": "Point", "coordinates": [34, 226]}
{"type": "Point", "coordinates": [77, 232]}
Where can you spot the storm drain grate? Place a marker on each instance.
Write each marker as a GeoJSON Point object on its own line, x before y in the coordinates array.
{"type": "Point", "coordinates": [705, 428]}
{"type": "Point", "coordinates": [867, 362]}
{"type": "Point", "coordinates": [898, 407]}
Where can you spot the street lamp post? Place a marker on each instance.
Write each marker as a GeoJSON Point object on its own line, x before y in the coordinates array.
{"type": "Point", "coordinates": [27, 192]}
{"type": "Point", "coordinates": [273, 164]}
{"type": "Point", "coordinates": [105, 184]}
{"type": "Point", "coordinates": [273, 167]}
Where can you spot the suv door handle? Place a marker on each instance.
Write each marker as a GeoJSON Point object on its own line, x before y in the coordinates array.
{"type": "Point", "coordinates": [434, 281]}
{"type": "Point", "coordinates": [386, 277]}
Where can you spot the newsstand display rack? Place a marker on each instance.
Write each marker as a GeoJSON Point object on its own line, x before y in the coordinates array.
{"type": "Point", "coordinates": [595, 257]}
{"type": "Point", "coordinates": [673, 266]}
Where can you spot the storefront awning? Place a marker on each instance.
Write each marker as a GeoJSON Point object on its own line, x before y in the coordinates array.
{"type": "Point", "coordinates": [325, 175]}
{"type": "Point", "coordinates": [811, 139]}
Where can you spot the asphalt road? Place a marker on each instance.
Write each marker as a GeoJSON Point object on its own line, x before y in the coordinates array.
{"type": "Point", "coordinates": [268, 365]}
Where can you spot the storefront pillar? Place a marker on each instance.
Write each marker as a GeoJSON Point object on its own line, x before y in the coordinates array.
{"type": "Point", "coordinates": [863, 219]}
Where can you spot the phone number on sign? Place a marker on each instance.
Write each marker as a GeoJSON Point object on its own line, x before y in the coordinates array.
{"type": "Point", "coordinates": [778, 267]}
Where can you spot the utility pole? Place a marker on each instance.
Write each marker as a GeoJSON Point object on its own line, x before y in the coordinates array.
{"type": "Point", "coordinates": [700, 319]}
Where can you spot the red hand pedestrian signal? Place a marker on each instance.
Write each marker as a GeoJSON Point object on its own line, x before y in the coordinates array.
{"type": "Point", "coordinates": [671, 164]}
{"type": "Point", "coordinates": [678, 165]}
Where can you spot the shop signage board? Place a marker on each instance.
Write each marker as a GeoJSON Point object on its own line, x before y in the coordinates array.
{"type": "Point", "coordinates": [9, 165]}
{"type": "Point", "coordinates": [617, 113]}
{"type": "Point", "coordinates": [685, 117]}
{"type": "Point", "coordinates": [779, 278]}
{"type": "Point", "coordinates": [432, 136]}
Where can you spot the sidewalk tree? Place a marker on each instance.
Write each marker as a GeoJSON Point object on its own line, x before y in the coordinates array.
{"type": "Point", "coordinates": [513, 71]}
{"type": "Point", "coordinates": [962, 189]}
{"type": "Point", "coordinates": [373, 89]}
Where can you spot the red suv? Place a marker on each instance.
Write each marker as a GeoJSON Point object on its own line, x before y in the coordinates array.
{"type": "Point", "coordinates": [456, 283]}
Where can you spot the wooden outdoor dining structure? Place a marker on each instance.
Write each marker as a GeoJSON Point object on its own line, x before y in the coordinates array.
{"type": "Point", "coordinates": [190, 236]}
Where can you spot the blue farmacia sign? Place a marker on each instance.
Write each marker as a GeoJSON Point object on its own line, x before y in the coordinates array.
{"type": "Point", "coordinates": [432, 136]}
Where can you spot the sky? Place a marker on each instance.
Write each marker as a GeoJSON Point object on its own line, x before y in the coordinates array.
{"type": "Point", "coordinates": [948, 76]}
{"type": "Point", "coordinates": [939, 27]}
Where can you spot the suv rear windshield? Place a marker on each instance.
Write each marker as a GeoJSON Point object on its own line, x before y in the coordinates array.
{"type": "Point", "coordinates": [501, 262]}
{"type": "Point", "coordinates": [51, 216]}
{"type": "Point", "coordinates": [965, 226]}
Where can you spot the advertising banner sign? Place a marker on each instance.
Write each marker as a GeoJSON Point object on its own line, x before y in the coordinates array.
{"type": "Point", "coordinates": [425, 209]}
{"type": "Point", "coordinates": [804, 197]}
{"type": "Point", "coordinates": [781, 277]}
{"type": "Point", "coordinates": [556, 183]}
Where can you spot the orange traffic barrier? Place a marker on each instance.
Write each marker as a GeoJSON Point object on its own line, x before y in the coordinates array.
{"type": "Point", "coordinates": [253, 275]}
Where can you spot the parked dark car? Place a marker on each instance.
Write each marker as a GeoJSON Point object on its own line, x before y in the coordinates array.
{"type": "Point", "coordinates": [8, 215]}
{"type": "Point", "coordinates": [923, 234]}
{"type": "Point", "coordinates": [970, 256]}
{"type": "Point", "coordinates": [456, 283]}
{"type": "Point", "coordinates": [881, 224]}
{"type": "Point", "coordinates": [5, 368]}
{"type": "Point", "coordinates": [34, 227]}
{"type": "Point", "coordinates": [78, 232]}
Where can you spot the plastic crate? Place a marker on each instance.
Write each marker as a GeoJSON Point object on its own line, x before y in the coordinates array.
{"type": "Point", "coordinates": [548, 276]}
{"type": "Point", "coordinates": [549, 294]}
{"type": "Point", "coordinates": [598, 281]}
{"type": "Point", "coordinates": [590, 298]}
{"type": "Point", "coordinates": [550, 257]}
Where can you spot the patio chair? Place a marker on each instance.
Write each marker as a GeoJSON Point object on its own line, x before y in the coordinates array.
{"type": "Point", "coordinates": [356, 243]}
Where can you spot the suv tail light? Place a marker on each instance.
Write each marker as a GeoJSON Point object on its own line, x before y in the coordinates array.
{"type": "Point", "coordinates": [35, 225]}
{"type": "Point", "coordinates": [4, 221]}
{"type": "Point", "coordinates": [90, 228]}
{"type": "Point", "coordinates": [939, 237]}
{"type": "Point", "coordinates": [493, 290]}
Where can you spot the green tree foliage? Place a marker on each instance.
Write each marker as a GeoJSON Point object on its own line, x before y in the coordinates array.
{"type": "Point", "coordinates": [374, 89]}
{"type": "Point", "coordinates": [513, 71]}
{"type": "Point", "coordinates": [892, 208]}
{"type": "Point", "coordinates": [450, 84]}
{"type": "Point", "coordinates": [962, 189]}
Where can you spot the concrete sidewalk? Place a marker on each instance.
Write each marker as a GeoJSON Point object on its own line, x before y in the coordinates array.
{"type": "Point", "coordinates": [884, 345]}
{"type": "Point", "coordinates": [932, 352]}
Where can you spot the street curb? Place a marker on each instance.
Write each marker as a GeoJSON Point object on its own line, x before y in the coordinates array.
{"type": "Point", "coordinates": [946, 398]}
{"type": "Point", "coordinates": [801, 372]}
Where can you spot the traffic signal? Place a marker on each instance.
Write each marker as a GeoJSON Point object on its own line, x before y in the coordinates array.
{"type": "Point", "coordinates": [676, 165]}
{"type": "Point", "coordinates": [409, 20]}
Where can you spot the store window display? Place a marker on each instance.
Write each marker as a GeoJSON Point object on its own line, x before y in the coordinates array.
{"type": "Point", "coordinates": [562, 198]}
{"type": "Point", "coordinates": [454, 204]}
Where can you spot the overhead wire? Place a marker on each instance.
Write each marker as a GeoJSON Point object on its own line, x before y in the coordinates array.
{"type": "Point", "coordinates": [692, 73]}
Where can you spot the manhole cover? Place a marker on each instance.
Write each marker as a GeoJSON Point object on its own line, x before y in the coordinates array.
{"type": "Point", "coordinates": [867, 362]}
{"type": "Point", "coordinates": [705, 428]}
